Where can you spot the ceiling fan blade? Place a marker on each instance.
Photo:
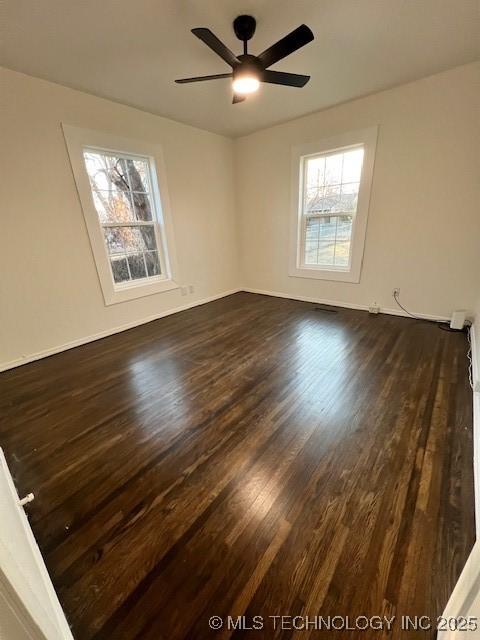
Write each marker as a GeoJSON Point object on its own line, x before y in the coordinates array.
{"type": "Point", "coordinates": [299, 37]}
{"type": "Point", "coordinates": [211, 40]}
{"type": "Point", "coordinates": [287, 79]}
{"type": "Point", "coordinates": [238, 98]}
{"type": "Point", "coordinates": [202, 78]}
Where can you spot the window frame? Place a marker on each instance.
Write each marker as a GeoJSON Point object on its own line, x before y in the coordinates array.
{"type": "Point", "coordinates": [366, 138]}
{"type": "Point", "coordinates": [79, 140]}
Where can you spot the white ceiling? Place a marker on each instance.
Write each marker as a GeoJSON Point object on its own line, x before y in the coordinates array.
{"type": "Point", "coordinates": [132, 50]}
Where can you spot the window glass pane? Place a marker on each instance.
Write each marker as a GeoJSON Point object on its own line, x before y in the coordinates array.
{"type": "Point", "coordinates": [314, 201]}
{"type": "Point", "coordinates": [142, 205]}
{"type": "Point", "coordinates": [325, 256]}
{"type": "Point", "coordinates": [153, 263]}
{"type": "Point", "coordinates": [119, 269]}
{"type": "Point", "coordinates": [332, 198]}
{"type": "Point", "coordinates": [137, 266]}
{"type": "Point", "coordinates": [129, 239]}
{"type": "Point", "coordinates": [311, 240]}
{"type": "Point", "coordinates": [315, 172]}
{"type": "Point", "coordinates": [333, 169]}
{"type": "Point", "coordinates": [320, 240]}
{"type": "Point", "coordinates": [348, 201]}
{"type": "Point", "coordinates": [327, 240]}
{"type": "Point", "coordinates": [113, 179]}
{"type": "Point", "coordinates": [113, 206]}
{"type": "Point", "coordinates": [106, 172]}
{"type": "Point", "coordinates": [343, 239]}
{"type": "Point", "coordinates": [148, 237]}
{"type": "Point", "coordinates": [327, 227]}
{"type": "Point", "coordinates": [139, 175]}
{"type": "Point", "coordinates": [352, 165]}
{"type": "Point", "coordinates": [134, 246]}
{"type": "Point", "coordinates": [114, 240]}
{"type": "Point", "coordinates": [332, 182]}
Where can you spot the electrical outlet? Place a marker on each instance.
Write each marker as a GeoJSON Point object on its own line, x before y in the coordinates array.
{"type": "Point", "coordinates": [183, 291]}
{"type": "Point", "coordinates": [374, 308]}
{"type": "Point", "coordinates": [396, 292]}
{"type": "Point", "coordinates": [191, 288]}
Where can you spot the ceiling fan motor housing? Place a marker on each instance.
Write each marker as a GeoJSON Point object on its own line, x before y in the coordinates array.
{"type": "Point", "coordinates": [249, 65]}
{"type": "Point", "coordinates": [244, 27]}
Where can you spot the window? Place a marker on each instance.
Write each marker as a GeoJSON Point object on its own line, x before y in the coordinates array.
{"type": "Point", "coordinates": [125, 212]}
{"type": "Point", "coordinates": [330, 193]}
{"type": "Point", "coordinates": [332, 180]}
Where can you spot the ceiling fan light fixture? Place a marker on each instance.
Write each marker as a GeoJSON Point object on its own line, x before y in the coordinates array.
{"type": "Point", "coordinates": [248, 71]}
{"type": "Point", "coordinates": [245, 84]}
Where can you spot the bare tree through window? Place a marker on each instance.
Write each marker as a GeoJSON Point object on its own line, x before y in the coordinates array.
{"type": "Point", "coordinates": [331, 184]}
{"type": "Point", "coordinates": [121, 190]}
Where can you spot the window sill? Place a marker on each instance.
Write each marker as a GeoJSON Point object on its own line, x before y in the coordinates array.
{"type": "Point", "coordinates": [132, 291]}
{"type": "Point", "coordinates": [337, 275]}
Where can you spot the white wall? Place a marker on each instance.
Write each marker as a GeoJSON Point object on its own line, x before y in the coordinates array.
{"type": "Point", "coordinates": [49, 289]}
{"type": "Point", "coordinates": [422, 234]}
{"type": "Point", "coordinates": [424, 223]}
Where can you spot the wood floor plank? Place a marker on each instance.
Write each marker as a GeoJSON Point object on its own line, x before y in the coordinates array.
{"type": "Point", "coordinates": [251, 457]}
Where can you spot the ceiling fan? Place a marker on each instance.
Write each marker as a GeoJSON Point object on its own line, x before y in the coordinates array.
{"type": "Point", "coordinates": [249, 70]}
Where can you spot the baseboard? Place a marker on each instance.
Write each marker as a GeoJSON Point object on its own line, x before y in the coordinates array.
{"type": "Point", "coordinates": [345, 305]}
{"type": "Point", "coordinates": [108, 332]}
{"type": "Point", "coordinates": [103, 334]}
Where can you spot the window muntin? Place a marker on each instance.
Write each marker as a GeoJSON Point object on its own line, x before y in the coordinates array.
{"type": "Point", "coordinates": [121, 187]}
{"type": "Point", "coordinates": [330, 187]}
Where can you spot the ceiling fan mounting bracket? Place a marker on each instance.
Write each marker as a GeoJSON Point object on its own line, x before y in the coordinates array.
{"type": "Point", "coordinates": [244, 27]}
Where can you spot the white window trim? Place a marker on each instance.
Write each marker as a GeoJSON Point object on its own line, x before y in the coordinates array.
{"type": "Point", "coordinates": [367, 138]}
{"type": "Point", "coordinates": [77, 140]}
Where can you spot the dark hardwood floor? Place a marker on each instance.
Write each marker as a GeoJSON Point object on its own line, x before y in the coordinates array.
{"type": "Point", "coordinates": [253, 456]}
